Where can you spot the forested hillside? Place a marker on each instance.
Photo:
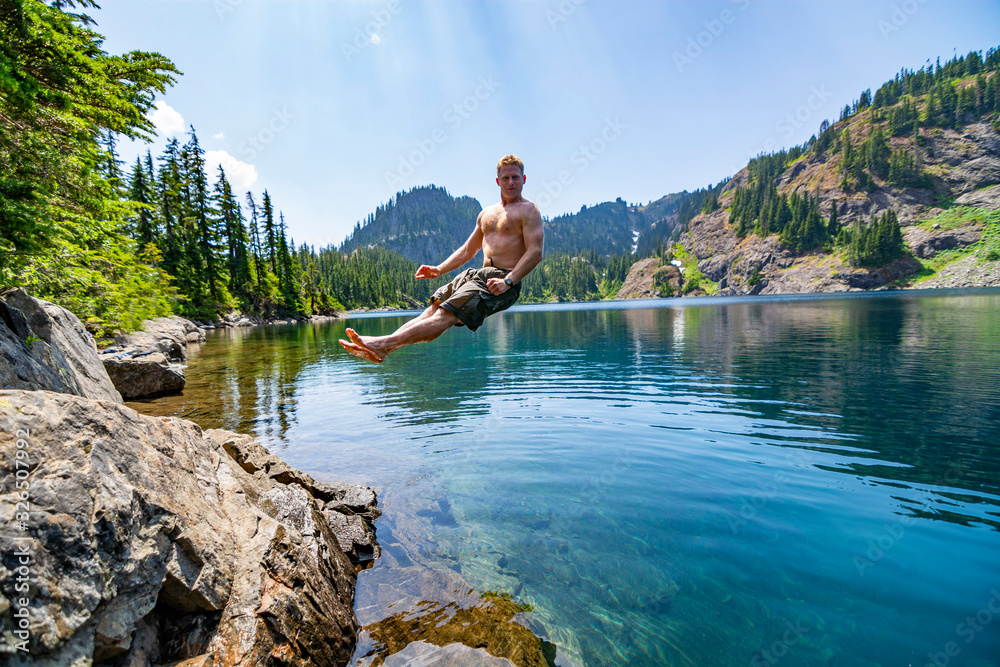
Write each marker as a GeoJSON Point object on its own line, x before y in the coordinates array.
{"type": "Point", "coordinates": [116, 247]}
{"type": "Point", "coordinates": [423, 225]}
{"type": "Point", "coordinates": [840, 211]}
{"type": "Point", "coordinates": [859, 204]}
{"type": "Point", "coordinates": [64, 224]}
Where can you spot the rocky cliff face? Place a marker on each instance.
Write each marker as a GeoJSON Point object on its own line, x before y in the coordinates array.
{"type": "Point", "coordinates": [134, 540]}
{"type": "Point", "coordinates": [964, 165]}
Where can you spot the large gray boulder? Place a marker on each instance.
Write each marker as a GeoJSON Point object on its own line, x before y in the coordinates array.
{"type": "Point", "coordinates": [168, 335]}
{"type": "Point", "coordinates": [152, 542]}
{"type": "Point", "coordinates": [139, 363]}
{"type": "Point", "coordinates": [44, 346]}
{"type": "Point", "coordinates": [141, 378]}
{"type": "Point", "coordinates": [350, 509]}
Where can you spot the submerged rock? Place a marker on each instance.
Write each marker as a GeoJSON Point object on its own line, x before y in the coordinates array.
{"type": "Point", "coordinates": [488, 624]}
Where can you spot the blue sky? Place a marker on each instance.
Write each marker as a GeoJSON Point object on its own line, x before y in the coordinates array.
{"type": "Point", "coordinates": [334, 106]}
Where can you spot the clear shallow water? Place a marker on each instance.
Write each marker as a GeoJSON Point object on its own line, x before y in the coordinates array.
{"type": "Point", "coordinates": [794, 481]}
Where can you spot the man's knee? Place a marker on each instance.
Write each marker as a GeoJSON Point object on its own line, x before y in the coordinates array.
{"type": "Point", "coordinates": [444, 314]}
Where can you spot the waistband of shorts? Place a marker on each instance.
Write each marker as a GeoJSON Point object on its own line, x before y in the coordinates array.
{"type": "Point", "coordinates": [502, 272]}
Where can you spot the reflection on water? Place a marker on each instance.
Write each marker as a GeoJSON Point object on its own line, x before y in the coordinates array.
{"type": "Point", "coordinates": [813, 481]}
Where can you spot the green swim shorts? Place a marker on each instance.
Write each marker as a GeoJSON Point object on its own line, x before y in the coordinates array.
{"type": "Point", "coordinates": [470, 300]}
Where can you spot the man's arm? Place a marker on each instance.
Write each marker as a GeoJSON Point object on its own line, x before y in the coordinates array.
{"type": "Point", "coordinates": [462, 255]}
{"type": "Point", "coordinates": [534, 244]}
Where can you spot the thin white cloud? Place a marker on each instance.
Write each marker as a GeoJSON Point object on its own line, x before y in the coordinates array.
{"type": "Point", "coordinates": [240, 175]}
{"type": "Point", "coordinates": [220, 135]}
{"type": "Point", "coordinates": [168, 122]}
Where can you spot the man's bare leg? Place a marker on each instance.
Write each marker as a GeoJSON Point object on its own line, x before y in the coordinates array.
{"type": "Point", "coordinates": [428, 311]}
{"type": "Point", "coordinates": [429, 325]}
{"type": "Point", "coordinates": [356, 338]}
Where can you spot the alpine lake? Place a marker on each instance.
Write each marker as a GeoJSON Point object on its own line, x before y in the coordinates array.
{"type": "Point", "coordinates": [799, 480]}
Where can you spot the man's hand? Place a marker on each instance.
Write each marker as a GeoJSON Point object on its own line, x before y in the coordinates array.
{"type": "Point", "coordinates": [496, 286]}
{"type": "Point", "coordinates": [427, 271]}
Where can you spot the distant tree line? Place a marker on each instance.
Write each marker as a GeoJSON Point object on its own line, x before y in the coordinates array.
{"type": "Point", "coordinates": [219, 254]}
{"type": "Point", "coordinates": [586, 276]}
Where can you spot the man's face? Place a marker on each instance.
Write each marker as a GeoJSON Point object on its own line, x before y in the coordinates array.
{"type": "Point", "coordinates": [510, 180]}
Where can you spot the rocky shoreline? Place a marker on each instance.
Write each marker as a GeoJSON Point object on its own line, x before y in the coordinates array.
{"type": "Point", "coordinates": [150, 362]}
{"type": "Point", "coordinates": [135, 540]}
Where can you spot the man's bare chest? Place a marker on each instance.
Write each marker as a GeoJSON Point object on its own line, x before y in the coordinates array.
{"type": "Point", "coordinates": [501, 223]}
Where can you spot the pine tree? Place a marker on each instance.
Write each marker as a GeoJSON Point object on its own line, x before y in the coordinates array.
{"type": "Point", "coordinates": [833, 224]}
{"type": "Point", "coordinates": [991, 97]}
{"type": "Point", "coordinates": [980, 93]}
{"type": "Point", "coordinates": [207, 241]}
{"type": "Point", "coordinates": [110, 164]}
{"type": "Point", "coordinates": [141, 190]}
{"type": "Point", "coordinates": [270, 233]}
{"type": "Point", "coordinates": [947, 112]}
{"type": "Point", "coordinates": [238, 262]}
{"type": "Point", "coordinates": [61, 98]}
{"type": "Point", "coordinates": [849, 161]}
{"type": "Point", "coordinates": [877, 153]}
{"type": "Point", "coordinates": [255, 248]}
{"type": "Point", "coordinates": [286, 279]}
{"type": "Point", "coordinates": [878, 242]}
{"type": "Point", "coordinates": [168, 193]}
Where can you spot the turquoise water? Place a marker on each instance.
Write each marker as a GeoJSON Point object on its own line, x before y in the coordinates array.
{"type": "Point", "coordinates": [794, 481]}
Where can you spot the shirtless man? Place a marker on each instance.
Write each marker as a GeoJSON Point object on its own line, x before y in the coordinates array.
{"type": "Point", "coordinates": [511, 237]}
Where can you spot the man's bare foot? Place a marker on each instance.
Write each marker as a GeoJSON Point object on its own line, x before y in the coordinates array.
{"type": "Point", "coordinates": [355, 337]}
{"type": "Point", "coordinates": [361, 351]}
